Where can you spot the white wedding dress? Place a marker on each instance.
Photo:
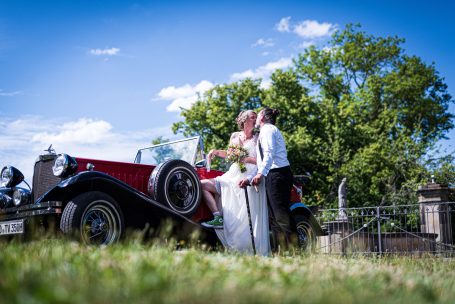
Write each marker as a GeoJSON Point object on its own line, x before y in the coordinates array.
{"type": "Point", "coordinates": [236, 234]}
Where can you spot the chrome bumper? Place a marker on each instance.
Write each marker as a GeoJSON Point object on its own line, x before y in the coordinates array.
{"type": "Point", "coordinates": [44, 208]}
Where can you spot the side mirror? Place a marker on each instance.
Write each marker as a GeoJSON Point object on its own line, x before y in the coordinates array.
{"type": "Point", "coordinates": [302, 179]}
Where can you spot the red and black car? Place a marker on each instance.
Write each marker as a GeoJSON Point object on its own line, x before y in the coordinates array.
{"type": "Point", "coordinates": [98, 201]}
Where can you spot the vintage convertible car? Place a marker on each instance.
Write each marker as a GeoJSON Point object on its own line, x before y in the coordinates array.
{"type": "Point", "coordinates": [97, 201]}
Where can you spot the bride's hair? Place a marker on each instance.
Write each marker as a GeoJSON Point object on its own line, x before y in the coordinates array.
{"type": "Point", "coordinates": [242, 117]}
{"type": "Point", "coordinates": [270, 115]}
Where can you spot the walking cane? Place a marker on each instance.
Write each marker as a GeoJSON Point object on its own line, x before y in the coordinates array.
{"type": "Point", "coordinates": [249, 219]}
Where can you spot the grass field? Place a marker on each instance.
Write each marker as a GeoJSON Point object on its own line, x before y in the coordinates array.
{"type": "Point", "coordinates": [59, 271]}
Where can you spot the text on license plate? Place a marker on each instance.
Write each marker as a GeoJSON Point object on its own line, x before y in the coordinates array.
{"type": "Point", "coordinates": [12, 227]}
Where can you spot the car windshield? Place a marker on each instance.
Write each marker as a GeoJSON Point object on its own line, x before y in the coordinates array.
{"type": "Point", "coordinates": [185, 149]}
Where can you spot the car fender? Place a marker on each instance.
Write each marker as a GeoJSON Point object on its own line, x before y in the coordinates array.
{"type": "Point", "coordinates": [138, 208]}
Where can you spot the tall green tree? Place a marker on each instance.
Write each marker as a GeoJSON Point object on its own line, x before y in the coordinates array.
{"type": "Point", "coordinates": [380, 111]}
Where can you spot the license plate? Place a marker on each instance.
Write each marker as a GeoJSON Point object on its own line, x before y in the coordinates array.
{"type": "Point", "coordinates": [12, 227]}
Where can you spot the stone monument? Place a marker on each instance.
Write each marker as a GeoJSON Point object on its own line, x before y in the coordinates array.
{"type": "Point", "coordinates": [342, 201]}
{"type": "Point", "coordinates": [340, 228]}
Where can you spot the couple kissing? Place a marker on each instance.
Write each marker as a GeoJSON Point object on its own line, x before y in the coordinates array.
{"type": "Point", "coordinates": [264, 165]}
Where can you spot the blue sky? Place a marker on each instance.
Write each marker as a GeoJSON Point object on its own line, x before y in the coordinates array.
{"type": "Point", "coordinates": [103, 78]}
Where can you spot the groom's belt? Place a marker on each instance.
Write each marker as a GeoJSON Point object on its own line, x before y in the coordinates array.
{"type": "Point", "coordinates": [281, 169]}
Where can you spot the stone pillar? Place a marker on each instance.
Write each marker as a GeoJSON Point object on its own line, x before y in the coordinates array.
{"type": "Point", "coordinates": [436, 216]}
{"type": "Point", "coordinates": [334, 241]}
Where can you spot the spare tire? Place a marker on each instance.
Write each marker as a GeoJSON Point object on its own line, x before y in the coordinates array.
{"type": "Point", "coordinates": [176, 184]}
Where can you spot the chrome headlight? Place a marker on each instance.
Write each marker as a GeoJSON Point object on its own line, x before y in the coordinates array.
{"type": "Point", "coordinates": [21, 196]}
{"type": "Point", "coordinates": [10, 177]}
{"type": "Point", "coordinates": [64, 165]}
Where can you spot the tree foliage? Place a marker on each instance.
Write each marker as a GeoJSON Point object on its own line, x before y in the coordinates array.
{"type": "Point", "coordinates": [213, 116]}
{"type": "Point", "coordinates": [360, 108]}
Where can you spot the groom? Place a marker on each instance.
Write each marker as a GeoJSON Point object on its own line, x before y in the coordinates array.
{"type": "Point", "coordinates": [273, 164]}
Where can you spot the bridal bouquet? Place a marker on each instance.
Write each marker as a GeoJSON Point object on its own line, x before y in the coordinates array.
{"type": "Point", "coordinates": [235, 154]}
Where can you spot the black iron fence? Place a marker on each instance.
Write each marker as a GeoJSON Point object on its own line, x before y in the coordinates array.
{"type": "Point", "coordinates": [425, 228]}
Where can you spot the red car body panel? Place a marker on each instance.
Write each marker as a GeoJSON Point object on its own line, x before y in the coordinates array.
{"type": "Point", "coordinates": [135, 175]}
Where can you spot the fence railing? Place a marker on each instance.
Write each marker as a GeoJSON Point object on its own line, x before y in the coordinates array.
{"type": "Point", "coordinates": [425, 228]}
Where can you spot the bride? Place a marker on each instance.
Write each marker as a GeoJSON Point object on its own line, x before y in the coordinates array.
{"type": "Point", "coordinates": [233, 216]}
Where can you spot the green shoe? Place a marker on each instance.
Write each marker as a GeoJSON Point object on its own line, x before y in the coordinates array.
{"type": "Point", "coordinates": [216, 223]}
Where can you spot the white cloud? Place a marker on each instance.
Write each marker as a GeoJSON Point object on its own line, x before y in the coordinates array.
{"type": "Point", "coordinates": [263, 43]}
{"type": "Point", "coordinates": [83, 131]}
{"type": "Point", "coordinates": [313, 29]}
{"type": "Point", "coordinates": [184, 96]}
{"type": "Point", "coordinates": [283, 25]}
{"type": "Point", "coordinates": [105, 52]}
{"type": "Point", "coordinates": [263, 71]}
{"type": "Point", "coordinates": [25, 138]}
{"type": "Point", "coordinates": [10, 94]}
{"type": "Point", "coordinates": [245, 74]}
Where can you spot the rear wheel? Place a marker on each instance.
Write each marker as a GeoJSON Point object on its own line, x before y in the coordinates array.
{"type": "Point", "coordinates": [306, 235]}
{"type": "Point", "coordinates": [176, 184]}
{"type": "Point", "coordinates": [93, 218]}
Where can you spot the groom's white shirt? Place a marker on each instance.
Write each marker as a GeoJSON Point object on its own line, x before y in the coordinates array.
{"type": "Point", "coordinates": [273, 149]}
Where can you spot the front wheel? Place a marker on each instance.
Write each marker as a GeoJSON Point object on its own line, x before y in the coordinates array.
{"type": "Point", "coordinates": [93, 218]}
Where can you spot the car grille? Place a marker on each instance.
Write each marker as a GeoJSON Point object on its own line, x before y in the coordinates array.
{"type": "Point", "coordinates": [43, 177]}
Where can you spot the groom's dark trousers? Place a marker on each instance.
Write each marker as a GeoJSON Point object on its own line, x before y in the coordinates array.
{"type": "Point", "coordinates": [279, 185]}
